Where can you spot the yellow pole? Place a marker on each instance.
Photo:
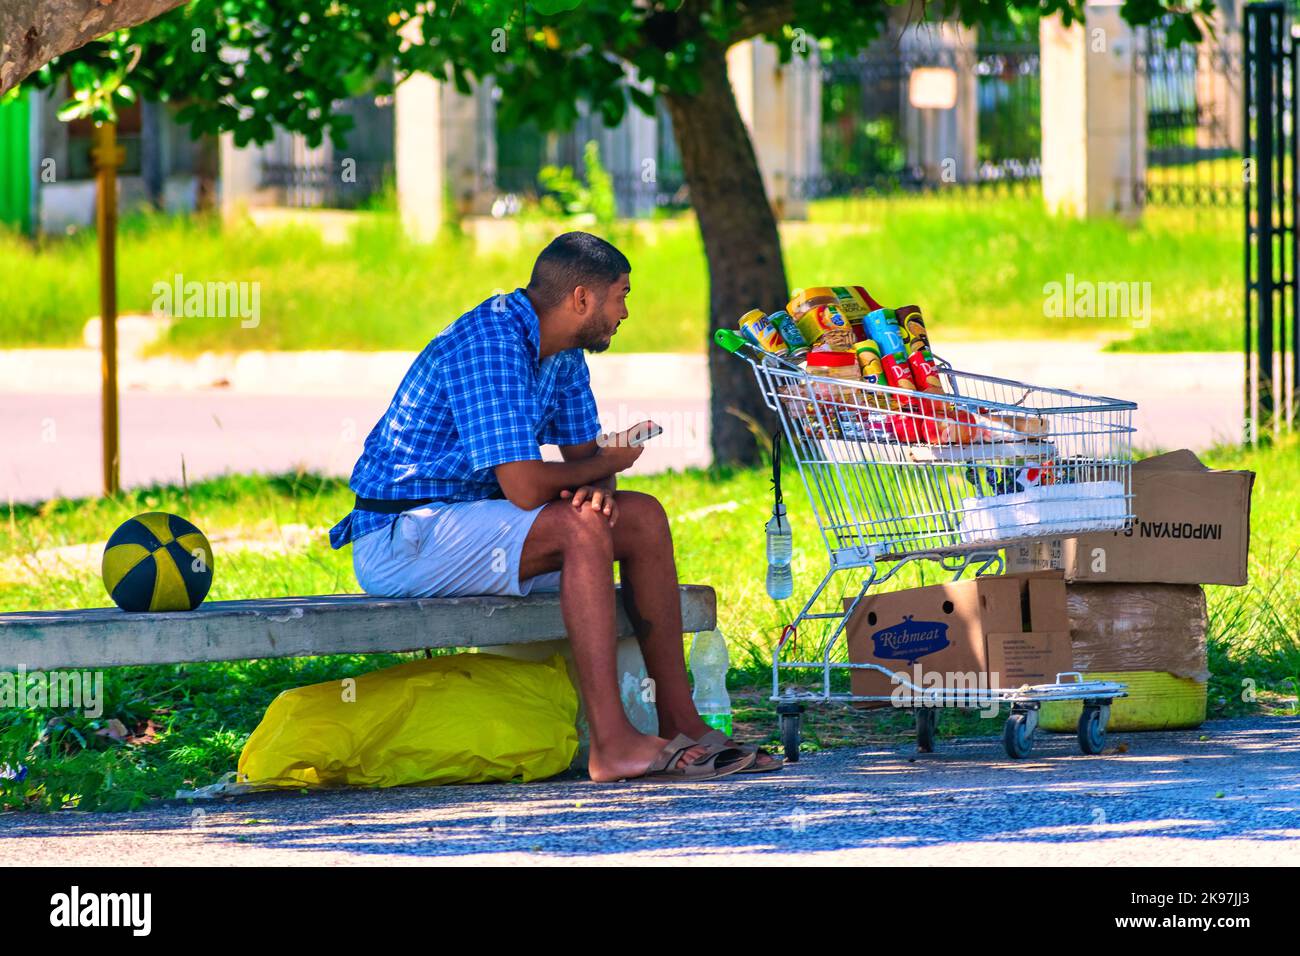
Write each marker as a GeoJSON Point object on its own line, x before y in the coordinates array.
{"type": "Point", "coordinates": [108, 157]}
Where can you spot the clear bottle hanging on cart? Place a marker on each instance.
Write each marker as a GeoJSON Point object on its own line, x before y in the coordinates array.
{"type": "Point", "coordinates": [780, 541]}
{"type": "Point", "coordinates": [780, 552]}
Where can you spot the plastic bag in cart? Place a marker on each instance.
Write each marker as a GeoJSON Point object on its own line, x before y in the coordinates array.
{"type": "Point", "coordinates": [1045, 510]}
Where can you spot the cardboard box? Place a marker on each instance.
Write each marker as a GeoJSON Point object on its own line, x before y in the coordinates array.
{"type": "Point", "coordinates": [988, 632]}
{"type": "Point", "coordinates": [1192, 526]}
{"type": "Point", "coordinates": [1138, 627]}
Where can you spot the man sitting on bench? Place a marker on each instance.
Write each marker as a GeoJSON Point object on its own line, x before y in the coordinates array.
{"type": "Point", "coordinates": [453, 499]}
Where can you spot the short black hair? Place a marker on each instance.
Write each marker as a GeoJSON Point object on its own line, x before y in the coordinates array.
{"type": "Point", "coordinates": [571, 260]}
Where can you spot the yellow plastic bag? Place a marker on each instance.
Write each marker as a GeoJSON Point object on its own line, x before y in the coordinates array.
{"type": "Point", "coordinates": [467, 718]}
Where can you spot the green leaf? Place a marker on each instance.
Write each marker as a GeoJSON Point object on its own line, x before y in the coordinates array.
{"type": "Point", "coordinates": [72, 109]}
{"type": "Point", "coordinates": [357, 81]}
{"type": "Point", "coordinates": [642, 100]}
{"type": "Point", "coordinates": [1183, 30]}
{"type": "Point", "coordinates": [81, 75]}
{"type": "Point", "coordinates": [612, 109]}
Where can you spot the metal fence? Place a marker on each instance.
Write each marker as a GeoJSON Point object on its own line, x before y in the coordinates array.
{"type": "Point", "coordinates": [901, 116]}
{"type": "Point", "coordinates": [897, 119]}
{"type": "Point", "coordinates": [1192, 112]}
{"type": "Point", "coordinates": [874, 139]}
{"type": "Point", "coordinates": [1009, 93]}
{"type": "Point", "coordinates": [346, 178]}
{"type": "Point", "coordinates": [1272, 210]}
{"type": "Point", "coordinates": [336, 184]}
{"type": "Point", "coordinates": [641, 183]}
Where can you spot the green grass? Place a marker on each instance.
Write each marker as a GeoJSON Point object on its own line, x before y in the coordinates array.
{"type": "Point", "coordinates": [374, 292]}
{"type": "Point", "coordinates": [1254, 636]}
{"type": "Point", "coordinates": [977, 266]}
{"type": "Point", "coordinates": [202, 713]}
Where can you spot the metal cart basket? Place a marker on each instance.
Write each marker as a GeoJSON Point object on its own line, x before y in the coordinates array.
{"type": "Point", "coordinates": [896, 476]}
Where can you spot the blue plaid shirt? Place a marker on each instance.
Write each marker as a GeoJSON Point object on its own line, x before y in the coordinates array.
{"type": "Point", "coordinates": [475, 398]}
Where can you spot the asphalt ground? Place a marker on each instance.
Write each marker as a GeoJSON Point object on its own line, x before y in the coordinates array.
{"type": "Point", "coordinates": [1226, 794]}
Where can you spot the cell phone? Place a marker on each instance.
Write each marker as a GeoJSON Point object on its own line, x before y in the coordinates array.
{"type": "Point", "coordinates": [640, 438]}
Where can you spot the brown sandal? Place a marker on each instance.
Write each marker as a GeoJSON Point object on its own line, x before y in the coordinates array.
{"type": "Point", "coordinates": [733, 759]}
{"type": "Point", "coordinates": [716, 738]}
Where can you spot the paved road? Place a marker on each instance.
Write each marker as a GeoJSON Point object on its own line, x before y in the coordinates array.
{"type": "Point", "coordinates": [1172, 799]}
{"type": "Point", "coordinates": [51, 441]}
{"type": "Point", "coordinates": [273, 412]}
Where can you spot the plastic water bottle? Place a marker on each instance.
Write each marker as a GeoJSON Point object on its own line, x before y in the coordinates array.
{"type": "Point", "coordinates": [709, 665]}
{"type": "Point", "coordinates": [780, 551]}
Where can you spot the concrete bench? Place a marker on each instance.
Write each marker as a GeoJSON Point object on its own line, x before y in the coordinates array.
{"type": "Point", "coordinates": [297, 627]}
{"type": "Point", "coordinates": [527, 628]}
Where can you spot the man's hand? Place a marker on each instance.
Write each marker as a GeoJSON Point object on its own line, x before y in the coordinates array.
{"type": "Point", "coordinates": [531, 483]}
{"type": "Point", "coordinates": [617, 447]}
{"type": "Point", "coordinates": [619, 457]}
{"type": "Point", "coordinates": [600, 499]}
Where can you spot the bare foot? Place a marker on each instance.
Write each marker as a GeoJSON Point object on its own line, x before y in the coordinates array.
{"type": "Point", "coordinates": [630, 758]}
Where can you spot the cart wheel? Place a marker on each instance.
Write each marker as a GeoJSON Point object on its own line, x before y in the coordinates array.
{"type": "Point", "coordinates": [1017, 738]}
{"type": "Point", "coordinates": [790, 737]}
{"type": "Point", "coordinates": [1092, 730]}
{"type": "Point", "coordinates": [926, 719]}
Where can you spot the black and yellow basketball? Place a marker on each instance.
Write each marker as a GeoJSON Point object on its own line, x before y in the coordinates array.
{"type": "Point", "coordinates": [157, 562]}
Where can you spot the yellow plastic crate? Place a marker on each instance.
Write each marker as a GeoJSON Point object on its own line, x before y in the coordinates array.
{"type": "Point", "coordinates": [1156, 701]}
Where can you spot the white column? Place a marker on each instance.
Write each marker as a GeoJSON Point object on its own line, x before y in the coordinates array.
{"type": "Point", "coordinates": [238, 176]}
{"type": "Point", "coordinates": [781, 107]}
{"type": "Point", "coordinates": [419, 158]}
{"type": "Point", "coordinates": [469, 143]}
{"type": "Point", "coordinates": [1093, 115]}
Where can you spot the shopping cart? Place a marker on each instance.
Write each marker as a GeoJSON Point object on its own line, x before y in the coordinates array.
{"type": "Point", "coordinates": [896, 476]}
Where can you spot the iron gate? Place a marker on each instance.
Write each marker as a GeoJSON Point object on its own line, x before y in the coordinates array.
{"type": "Point", "coordinates": [1271, 207]}
{"type": "Point", "coordinates": [1190, 105]}
{"type": "Point", "coordinates": [876, 140]}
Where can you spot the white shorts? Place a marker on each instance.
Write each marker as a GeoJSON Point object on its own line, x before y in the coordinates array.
{"type": "Point", "coordinates": [454, 549]}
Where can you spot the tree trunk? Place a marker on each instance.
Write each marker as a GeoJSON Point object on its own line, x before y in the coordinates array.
{"type": "Point", "coordinates": [741, 244]}
{"type": "Point", "coordinates": [33, 32]}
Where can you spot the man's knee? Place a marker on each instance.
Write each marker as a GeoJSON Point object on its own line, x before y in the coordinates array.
{"type": "Point", "coordinates": [643, 515]}
{"type": "Point", "coordinates": [584, 528]}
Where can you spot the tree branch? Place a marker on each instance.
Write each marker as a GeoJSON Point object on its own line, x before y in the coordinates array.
{"type": "Point", "coordinates": [758, 17]}
{"type": "Point", "coordinates": [33, 32]}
